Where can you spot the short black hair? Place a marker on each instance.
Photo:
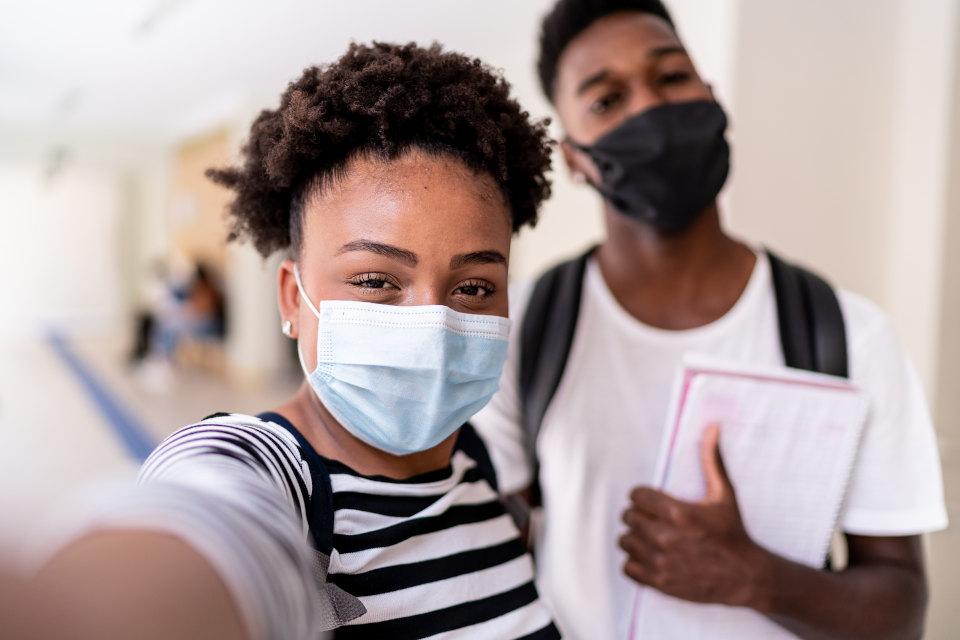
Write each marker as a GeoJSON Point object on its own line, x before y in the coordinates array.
{"type": "Point", "coordinates": [382, 100]}
{"type": "Point", "coordinates": [569, 18]}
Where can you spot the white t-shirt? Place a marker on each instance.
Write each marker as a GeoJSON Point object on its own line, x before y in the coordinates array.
{"type": "Point", "coordinates": [601, 433]}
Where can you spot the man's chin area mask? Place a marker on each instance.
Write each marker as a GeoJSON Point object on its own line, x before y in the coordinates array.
{"type": "Point", "coordinates": [664, 166]}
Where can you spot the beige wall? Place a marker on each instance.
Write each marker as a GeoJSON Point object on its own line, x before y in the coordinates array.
{"type": "Point", "coordinates": [58, 249]}
{"type": "Point", "coordinates": [812, 134]}
{"type": "Point", "coordinates": [927, 61]}
{"type": "Point", "coordinates": [196, 206]}
{"type": "Point", "coordinates": [948, 379]}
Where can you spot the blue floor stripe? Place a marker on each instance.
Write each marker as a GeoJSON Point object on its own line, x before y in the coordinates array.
{"type": "Point", "coordinates": [131, 432]}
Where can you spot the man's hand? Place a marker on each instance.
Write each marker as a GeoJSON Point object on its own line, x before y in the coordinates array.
{"type": "Point", "coordinates": [696, 551]}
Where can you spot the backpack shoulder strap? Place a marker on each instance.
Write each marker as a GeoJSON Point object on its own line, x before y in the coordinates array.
{"type": "Point", "coordinates": [546, 335]}
{"type": "Point", "coordinates": [812, 330]}
{"type": "Point", "coordinates": [320, 506]}
{"type": "Point", "coordinates": [470, 443]}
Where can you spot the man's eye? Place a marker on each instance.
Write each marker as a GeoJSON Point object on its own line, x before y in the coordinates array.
{"type": "Point", "coordinates": [675, 77]}
{"type": "Point", "coordinates": [605, 102]}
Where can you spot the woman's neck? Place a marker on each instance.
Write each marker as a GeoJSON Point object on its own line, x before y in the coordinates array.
{"type": "Point", "coordinates": [674, 281]}
{"type": "Point", "coordinates": [328, 437]}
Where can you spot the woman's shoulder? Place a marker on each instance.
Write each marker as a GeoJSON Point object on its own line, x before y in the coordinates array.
{"type": "Point", "coordinates": [254, 440]}
{"type": "Point", "coordinates": [236, 425]}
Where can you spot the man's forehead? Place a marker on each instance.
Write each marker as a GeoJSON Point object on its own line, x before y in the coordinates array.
{"type": "Point", "coordinates": [617, 41]}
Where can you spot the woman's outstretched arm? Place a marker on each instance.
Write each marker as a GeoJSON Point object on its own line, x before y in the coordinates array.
{"type": "Point", "coordinates": [126, 584]}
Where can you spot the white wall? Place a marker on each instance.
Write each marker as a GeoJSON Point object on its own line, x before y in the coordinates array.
{"type": "Point", "coordinates": [812, 133]}
{"type": "Point", "coordinates": [948, 400]}
{"type": "Point", "coordinates": [58, 249]}
{"type": "Point", "coordinates": [924, 104]}
{"type": "Point", "coordinates": [75, 246]}
{"type": "Point", "coordinates": [840, 144]}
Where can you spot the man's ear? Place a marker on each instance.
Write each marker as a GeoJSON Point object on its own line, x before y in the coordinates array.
{"type": "Point", "coordinates": [579, 164]}
{"type": "Point", "coordinates": [709, 86]}
{"type": "Point", "coordinates": [288, 296]}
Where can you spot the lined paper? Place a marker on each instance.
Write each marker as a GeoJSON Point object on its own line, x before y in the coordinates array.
{"type": "Point", "coordinates": [789, 440]}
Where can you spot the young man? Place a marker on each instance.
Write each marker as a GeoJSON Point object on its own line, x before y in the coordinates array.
{"type": "Point", "coordinates": [642, 127]}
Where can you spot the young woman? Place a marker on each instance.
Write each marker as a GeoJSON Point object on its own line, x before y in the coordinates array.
{"type": "Point", "coordinates": [393, 179]}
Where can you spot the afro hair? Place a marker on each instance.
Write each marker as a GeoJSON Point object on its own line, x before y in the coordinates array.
{"type": "Point", "coordinates": [382, 99]}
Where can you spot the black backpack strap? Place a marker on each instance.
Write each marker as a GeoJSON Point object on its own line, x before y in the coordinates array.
{"type": "Point", "coordinates": [343, 607]}
{"type": "Point", "coordinates": [471, 444]}
{"type": "Point", "coordinates": [320, 508]}
{"type": "Point", "coordinates": [546, 335]}
{"type": "Point", "coordinates": [812, 330]}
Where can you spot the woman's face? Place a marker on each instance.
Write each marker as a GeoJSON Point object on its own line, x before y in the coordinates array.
{"type": "Point", "coordinates": [422, 229]}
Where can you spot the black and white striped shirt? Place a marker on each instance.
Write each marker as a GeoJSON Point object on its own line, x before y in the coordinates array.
{"type": "Point", "coordinates": [306, 544]}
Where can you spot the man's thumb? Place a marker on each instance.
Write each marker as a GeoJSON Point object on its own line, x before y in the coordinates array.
{"type": "Point", "coordinates": [715, 474]}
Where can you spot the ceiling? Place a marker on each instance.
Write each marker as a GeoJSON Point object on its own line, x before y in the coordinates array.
{"type": "Point", "coordinates": [161, 69]}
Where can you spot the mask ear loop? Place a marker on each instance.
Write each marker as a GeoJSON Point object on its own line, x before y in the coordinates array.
{"type": "Point", "coordinates": [306, 298]}
{"type": "Point", "coordinates": [303, 294]}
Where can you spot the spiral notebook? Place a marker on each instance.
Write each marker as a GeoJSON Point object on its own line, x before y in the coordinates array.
{"type": "Point", "coordinates": [789, 440]}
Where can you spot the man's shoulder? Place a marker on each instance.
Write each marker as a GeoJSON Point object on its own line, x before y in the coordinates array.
{"type": "Point", "coordinates": [522, 288]}
{"type": "Point", "coordinates": [520, 292]}
{"type": "Point", "coordinates": [863, 318]}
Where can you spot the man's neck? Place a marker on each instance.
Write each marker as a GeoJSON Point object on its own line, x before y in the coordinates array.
{"type": "Point", "coordinates": [332, 441]}
{"type": "Point", "coordinates": [674, 281]}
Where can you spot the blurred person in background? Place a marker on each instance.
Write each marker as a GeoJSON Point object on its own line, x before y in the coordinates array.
{"type": "Point", "coordinates": [154, 294]}
{"type": "Point", "coordinates": [394, 179]}
{"type": "Point", "coordinates": [181, 323]}
{"type": "Point", "coordinates": [204, 326]}
{"type": "Point", "coordinates": [644, 129]}
{"type": "Point", "coordinates": [206, 305]}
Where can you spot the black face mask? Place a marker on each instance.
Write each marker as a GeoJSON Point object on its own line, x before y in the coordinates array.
{"type": "Point", "coordinates": [666, 165]}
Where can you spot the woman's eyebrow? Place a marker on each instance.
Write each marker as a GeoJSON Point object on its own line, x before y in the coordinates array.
{"type": "Point", "coordinates": [477, 257]}
{"type": "Point", "coordinates": [388, 250]}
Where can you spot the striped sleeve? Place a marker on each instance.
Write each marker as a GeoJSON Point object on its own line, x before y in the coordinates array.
{"type": "Point", "coordinates": [236, 490]}
{"type": "Point", "coordinates": [257, 448]}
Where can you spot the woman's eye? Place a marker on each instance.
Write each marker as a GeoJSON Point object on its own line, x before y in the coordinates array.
{"type": "Point", "coordinates": [372, 281]}
{"type": "Point", "coordinates": [605, 102]}
{"type": "Point", "coordinates": [475, 289]}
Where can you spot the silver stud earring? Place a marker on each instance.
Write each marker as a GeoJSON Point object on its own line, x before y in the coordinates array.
{"type": "Point", "coordinates": [287, 328]}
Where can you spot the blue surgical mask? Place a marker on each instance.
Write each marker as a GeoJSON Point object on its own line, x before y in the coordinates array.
{"type": "Point", "coordinates": [404, 378]}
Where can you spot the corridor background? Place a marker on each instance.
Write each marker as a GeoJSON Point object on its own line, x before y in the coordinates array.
{"type": "Point", "coordinates": [846, 137]}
